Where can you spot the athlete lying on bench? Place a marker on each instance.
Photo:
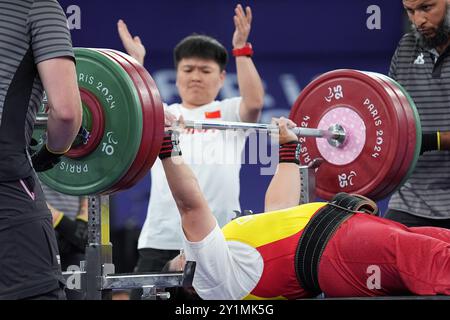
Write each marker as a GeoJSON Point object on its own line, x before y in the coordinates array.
{"type": "Point", "coordinates": [292, 251]}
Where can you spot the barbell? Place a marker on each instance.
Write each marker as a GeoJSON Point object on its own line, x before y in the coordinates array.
{"type": "Point", "coordinates": [364, 125]}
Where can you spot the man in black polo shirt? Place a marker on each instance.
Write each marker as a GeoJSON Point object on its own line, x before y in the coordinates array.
{"type": "Point", "coordinates": [422, 65]}
{"type": "Point", "coordinates": [35, 54]}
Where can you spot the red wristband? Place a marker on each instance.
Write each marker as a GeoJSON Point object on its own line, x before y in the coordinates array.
{"type": "Point", "coordinates": [170, 146]}
{"type": "Point", "coordinates": [246, 50]}
{"type": "Point", "coordinates": [290, 152]}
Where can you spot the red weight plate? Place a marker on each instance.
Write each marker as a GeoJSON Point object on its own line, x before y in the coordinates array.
{"type": "Point", "coordinates": [154, 118]}
{"type": "Point", "coordinates": [387, 186]}
{"type": "Point", "coordinates": [410, 139]}
{"type": "Point", "coordinates": [158, 112]}
{"type": "Point", "coordinates": [368, 99]}
{"type": "Point", "coordinates": [407, 155]}
{"type": "Point", "coordinates": [147, 128]}
{"type": "Point", "coordinates": [134, 176]}
{"type": "Point", "coordinates": [97, 129]}
{"type": "Point", "coordinates": [157, 103]}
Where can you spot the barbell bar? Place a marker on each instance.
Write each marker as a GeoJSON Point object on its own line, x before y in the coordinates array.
{"type": "Point", "coordinates": [335, 134]}
{"type": "Point", "coordinates": [364, 125]}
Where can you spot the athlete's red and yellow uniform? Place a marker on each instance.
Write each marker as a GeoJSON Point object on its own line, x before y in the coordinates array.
{"type": "Point", "coordinates": [364, 247]}
{"type": "Point", "coordinates": [275, 235]}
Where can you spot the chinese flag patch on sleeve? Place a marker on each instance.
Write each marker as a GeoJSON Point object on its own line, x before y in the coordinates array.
{"type": "Point", "coordinates": [213, 115]}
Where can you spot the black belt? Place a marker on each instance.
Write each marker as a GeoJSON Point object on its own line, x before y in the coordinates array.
{"type": "Point", "coordinates": [318, 232]}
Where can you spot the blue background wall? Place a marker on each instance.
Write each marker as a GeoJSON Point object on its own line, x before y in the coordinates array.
{"type": "Point", "coordinates": [294, 40]}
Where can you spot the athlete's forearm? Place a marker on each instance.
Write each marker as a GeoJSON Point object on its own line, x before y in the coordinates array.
{"type": "Point", "coordinates": [196, 217]}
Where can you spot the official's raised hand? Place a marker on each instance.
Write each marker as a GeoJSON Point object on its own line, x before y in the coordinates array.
{"type": "Point", "coordinates": [132, 45]}
{"type": "Point", "coordinates": [242, 23]}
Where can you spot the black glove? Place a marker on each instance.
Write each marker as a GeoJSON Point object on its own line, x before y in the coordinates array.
{"type": "Point", "coordinates": [429, 142]}
{"type": "Point", "coordinates": [44, 160]}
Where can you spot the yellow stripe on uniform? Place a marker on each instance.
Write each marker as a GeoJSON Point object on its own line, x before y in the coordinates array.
{"type": "Point", "coordinates": [260, 229]}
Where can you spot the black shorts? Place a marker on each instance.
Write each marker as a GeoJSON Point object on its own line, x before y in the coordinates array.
{"type": "Point", "coordinates": [29, 258]}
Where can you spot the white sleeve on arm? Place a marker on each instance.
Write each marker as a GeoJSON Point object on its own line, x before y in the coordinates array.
{"type": "Point", "coordinates": [225, 270]}
{"type": "Point", "coordinates": [229, 108]}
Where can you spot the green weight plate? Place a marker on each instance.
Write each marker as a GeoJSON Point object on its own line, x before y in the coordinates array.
{"type": "Point", "coordinates": [96, 172]}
